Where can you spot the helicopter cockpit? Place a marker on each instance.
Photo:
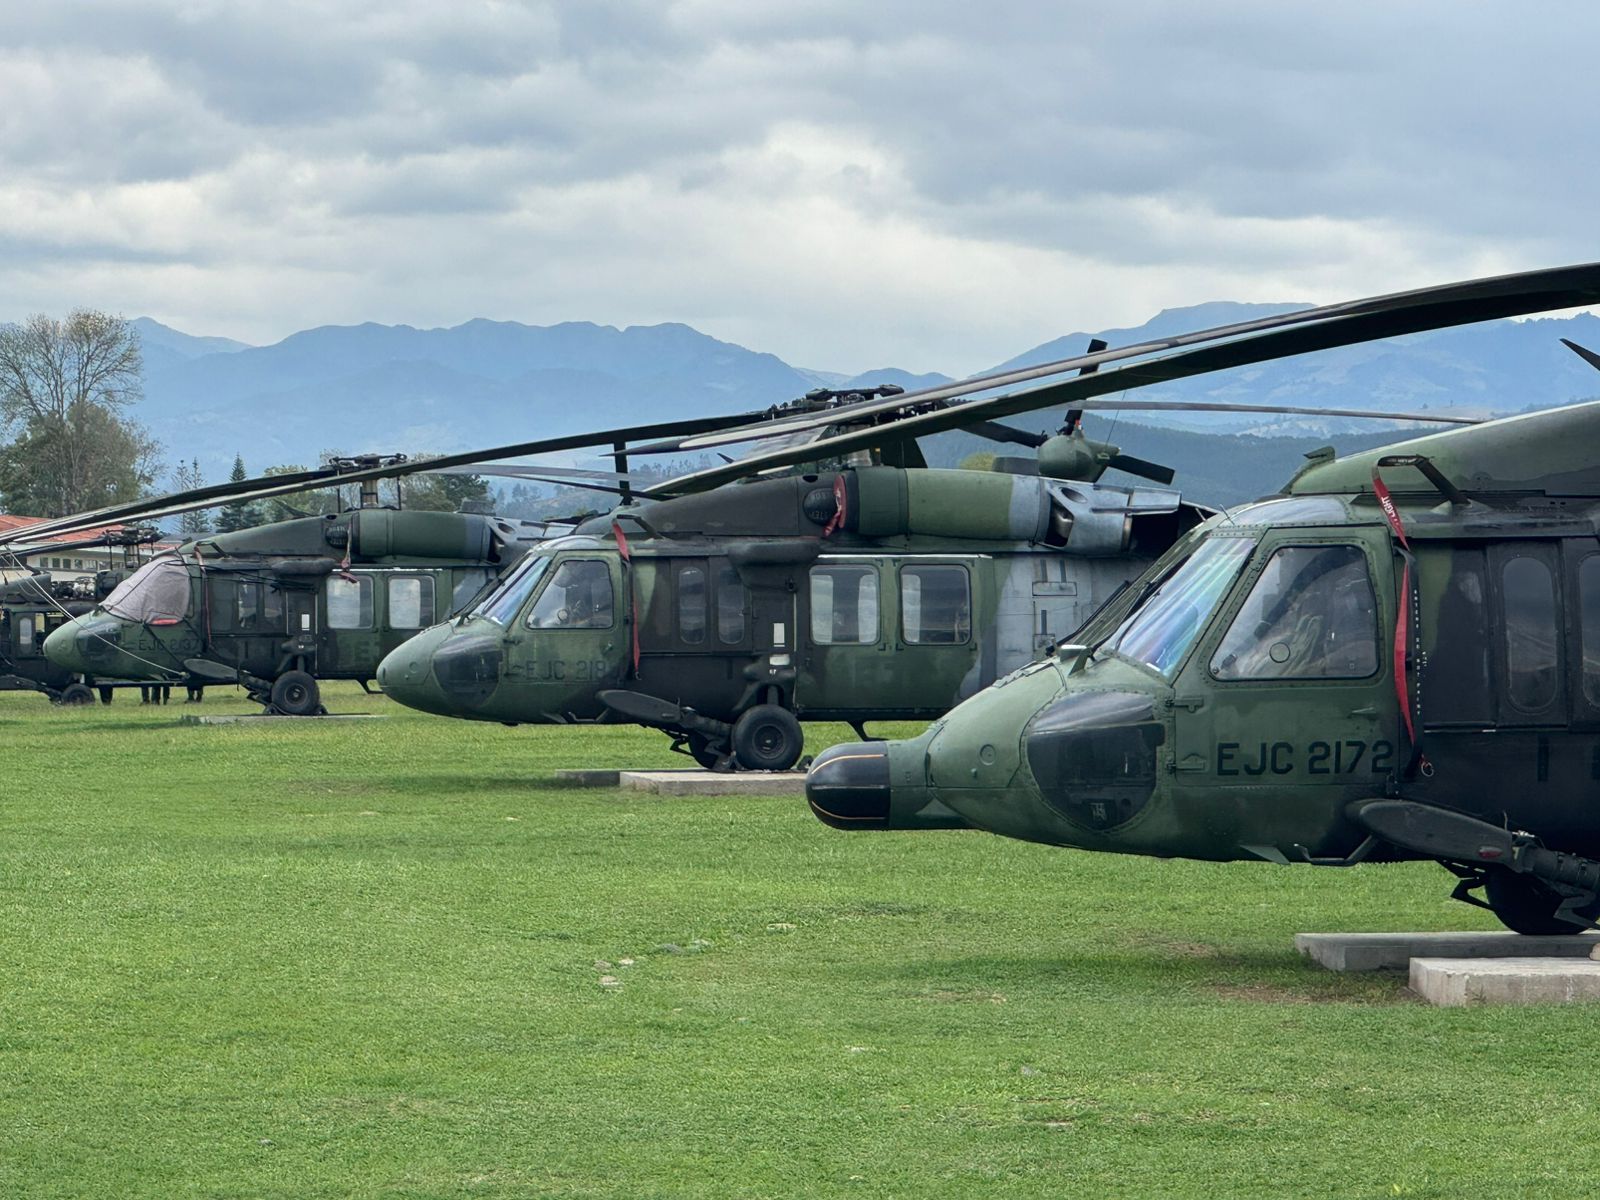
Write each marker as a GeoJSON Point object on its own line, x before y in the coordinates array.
{"type": "Point", "coordinates": [157, 593]}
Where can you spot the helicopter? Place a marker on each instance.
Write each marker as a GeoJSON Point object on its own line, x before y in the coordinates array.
{"type": "Point", "coordinates": [1396, 657]}
{"type": "Point", "coordinates": [34, 605]}
{"type": "Point", "coordinates": [727, 605]}
{"type": "Point", "coordinates": [278, 608]}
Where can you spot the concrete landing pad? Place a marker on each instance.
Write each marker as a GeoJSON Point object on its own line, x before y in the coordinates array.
{"type": "Point", "coordinates": [1395, 951]}
{"type": "Point", "coordinates": [271, 718]}
{"type": "Point", "coordinates": [692, 782]}
{"type": "Point", "coordinates": [1453, 982]}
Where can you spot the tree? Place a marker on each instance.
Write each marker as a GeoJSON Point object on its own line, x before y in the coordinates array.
{"type": "Point", "coordinates": [65, 386]}
{"type": "Point", "coordinates": [297, 504]}
{"type": "Point", "coordinates": [241, 514]}
{"type": "Point", "coordinates": [443, 493]}
{"type": "Point", "coordinates": [185, 478]}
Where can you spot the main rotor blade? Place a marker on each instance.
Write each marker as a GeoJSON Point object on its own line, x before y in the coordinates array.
{"type": "Point", "coordinates": [265, 486]}
{"type": "Point", "coordinates": [1432, 308]}
{"type": "Point", "coordinates": [534, 471]}
{"type": "Point", "coordinates": [1524, 283]}
{"type": "Point", "coordinates": [1588, 356]}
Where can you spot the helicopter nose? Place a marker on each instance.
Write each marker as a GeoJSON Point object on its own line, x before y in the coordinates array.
{"type": "Point", "coordinates": [85, 644]}
{"type": "Point", "coordinates": [443, 671]}
{"type": "Point", "coordinates": [876, 785]}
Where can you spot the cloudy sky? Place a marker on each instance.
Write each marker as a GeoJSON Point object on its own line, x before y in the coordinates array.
{"type": "Point", "coordinates": [931, 185]}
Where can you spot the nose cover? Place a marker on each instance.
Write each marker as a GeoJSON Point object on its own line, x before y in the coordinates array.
{"type": "Point", "coordinates": [1093, 755]}
{"type": "Point", "coordinates": [468, 668]}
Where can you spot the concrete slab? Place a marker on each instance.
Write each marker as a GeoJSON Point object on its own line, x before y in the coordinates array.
{"type": "Point", "coordinates": [1395, 951]}
{"type": "Point", "coordinates": [716, 783]}
{"type": "Point", "coordinates": [692, 782]}
{"type": "Point", "coordinates": [1453, 982]}
{"type": "Point", "coordinates": [271, 718]}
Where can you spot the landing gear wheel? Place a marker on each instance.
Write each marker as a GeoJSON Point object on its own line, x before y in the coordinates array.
{"type": "Point", "coordinates": [106, 694]}
{"type": "Point", "coordinates": [75, 694]}
{"type": "Point", "coordinates": [768, 738]}
{"type": "Point", "coordinates": [1524, 904]}
{"type": "Point", "coordinates": [295, 694]}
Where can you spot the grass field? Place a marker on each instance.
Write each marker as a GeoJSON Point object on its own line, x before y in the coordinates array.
{"type": "Point", "coordinates": [388, 959]}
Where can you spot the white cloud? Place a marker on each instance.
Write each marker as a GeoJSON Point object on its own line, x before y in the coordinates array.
{"type": "Point", "coordinates": [930, 185]}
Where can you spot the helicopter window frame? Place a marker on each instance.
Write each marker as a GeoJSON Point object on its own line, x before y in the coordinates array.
{"type": "Point", "coordinates": [733, 606]}
{"type": "Point", "coordinates": [24, 627]}
{"type": "Point", "coordinates": [563, 615]}
{"type": "Point", "coordinates": [364, 615]}
{"type": "Point", "coordinates": [1585, 650]}
{"type": "Point", "coordinates": [1521, 630]}
{"type": "Point", "coordinates": [1230, 672]}
{"type": "Point", "coordinates": [263, 612]}
{"type": "Point", "coordinates": [1234, 551]}
{"type": "Point", "coordinates": [424, 603]}
{"type": "Point", "coordinates": [691, 601]}
{"type": "Point", "coordinates": [914, 630]}
{"type": "Point", "coordinates": [504, 601]}
{"type": "Point", "coordinates": [825, 624]}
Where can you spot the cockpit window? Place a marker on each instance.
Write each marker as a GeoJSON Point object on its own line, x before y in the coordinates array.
{"type": "Point", "coordinates": [579, 597]}
{"type": "Point", "coordinates": [156, 594]}
{"type": "Point", "coordinates": [501, 604]}
{"type": "Point", "coordinates": [1311, 615]}
{"type": "Point", "coordinates": [1165, 624]}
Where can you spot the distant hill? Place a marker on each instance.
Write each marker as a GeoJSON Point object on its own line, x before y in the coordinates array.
{"type": "Point", "coordinates": [393, 387]}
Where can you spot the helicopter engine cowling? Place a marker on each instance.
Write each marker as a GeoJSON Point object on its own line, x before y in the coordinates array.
{"type": "Point", "coordinates": [386, 533]}
{"type": "Point", "coordinates": [886, 501]}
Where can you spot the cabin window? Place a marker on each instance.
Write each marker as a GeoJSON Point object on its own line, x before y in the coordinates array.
{"type": "Point", "coordinates": [1312, 614]}
{"type": "Point", "coordinates": [410, 601]}
{"type": "Point", "coordinates": [1459, 686]}
{"type": "Point", "coordinates": [691, 604]}
{"type": "Point", "coordinates": [1589, 630]}
{"type": "Point", "coordinates": [223, 598]}
{"type": "Point", "coordinates": [935, 605]}
{"type": "Point", "coordinates": [260, 606]}
{"type": "Point", "coordinates": [844, 605]}
{"type": "Point", "coordinates": [156, 594]}
{"type": "Point", "coordinates": [350, 602]}
{"type": "Point", "coordinates": [500, 605]}
{"type": "Point", "coordinates": [1528, 594]}
{"type": "Point", "coordinates": [25, 633]}
{"type": "Point", "coordinates": [1176, 604]}
{"type": "Point", "coordinates": [730, 607]}
{"type": "Point", "coordinates": [578, 597]}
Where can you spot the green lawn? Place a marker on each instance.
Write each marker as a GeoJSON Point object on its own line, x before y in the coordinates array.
{"type": "Point", "coordinates": [388, 959]}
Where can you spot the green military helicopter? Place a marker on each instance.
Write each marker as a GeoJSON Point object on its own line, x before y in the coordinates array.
{"type": "Point", "coordinates": [280, 607]}
{"type": "Point", "coordinates": [1397, 657]}
{"type": "Point", "coordinates": [857, 591]}
{"type": "Point", "coordinates": [34, 605]}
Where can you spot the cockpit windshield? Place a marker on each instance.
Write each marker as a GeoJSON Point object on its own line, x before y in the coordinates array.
{"type": "Point", "coordinates": [156, 594]}
{"type": "Point", "coordinates": [501, 604]}
{"type": "Point", "coordinates": [1165, 623]}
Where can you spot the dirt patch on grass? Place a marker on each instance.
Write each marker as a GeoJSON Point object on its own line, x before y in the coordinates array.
{"type": "Point", "coordinates": [1374, 991]}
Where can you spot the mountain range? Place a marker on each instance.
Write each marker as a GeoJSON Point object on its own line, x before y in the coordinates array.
{"type": "Point", "coordinates": [396, 388]}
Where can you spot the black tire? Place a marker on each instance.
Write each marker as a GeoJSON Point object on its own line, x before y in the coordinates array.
{"type": "Point", "coordinates": [768, 738]}
{"type": "Point", "coordinates": [1525, 905]}
{"type": "Point", "coordinates": [701, 751]}
{"type": "Point", "coordinates": [295, 694]}
{"type": "Point", "coordinates": [106, 694]}
{"type": "Point", "coordinates": [76, 694]}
